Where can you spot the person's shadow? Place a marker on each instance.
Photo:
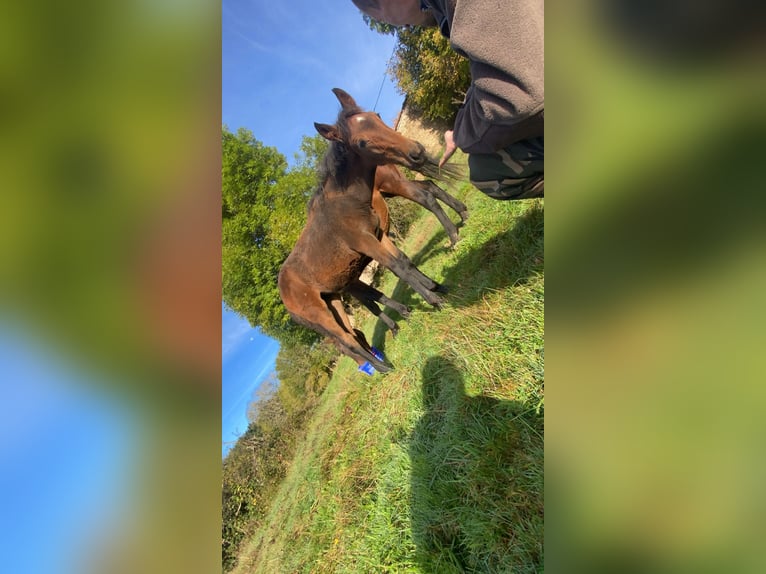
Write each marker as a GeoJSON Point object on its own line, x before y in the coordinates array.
{"type": "Point", "coordinates": [476, 480]}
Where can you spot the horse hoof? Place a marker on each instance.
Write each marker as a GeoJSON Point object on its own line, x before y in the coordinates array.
{"type": "Point", "coordinates": [440, 289]}
{"type": "Point", "coordinates": [437, 302]}
{"type": "Point", "coordinates": [369, 368]}
{"type": "Point", "coordinates": [382, 367]}
{"type": "Point", "coordinates": [380, 361]}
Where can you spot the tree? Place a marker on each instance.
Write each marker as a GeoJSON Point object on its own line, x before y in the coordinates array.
{"type": "Point", "coordinates": [251, 473]}
{"type": "Point", "coordinates": [265, 391]}
{"type": "Point", "coordinates": [430, 73]}
{"type": "Point", "coordinates": [427, 70]}
{"type": "Point", "coordinates": [304, 372]}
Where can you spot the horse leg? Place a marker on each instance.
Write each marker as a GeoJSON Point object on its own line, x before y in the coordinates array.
{"type": "Point", "coordinates": [404, 261]}
{"type": "Point", "coordinates": [307, 307]}
{"type": "Point", "coordinates": [439, 193]}
{"type": "Point", "coordinates": [388, 255]}
{"type": "Point", "coordinates": [360, 289]}
{"type": "Point", "coordinates": [375, 310]}
{"type": "Point", "coordinates": [335, 305]}
{"type": "Point", "coordinates": [336, 308]}
{"type": "Point", "coordinates": [369, 297]}
{"type": "Point", "coordinates": [413, 191]}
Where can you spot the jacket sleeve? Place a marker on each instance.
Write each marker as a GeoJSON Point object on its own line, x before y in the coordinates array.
{"type": "Point", "coordinates": [485, 123]}
{"type": "Point", "coordinates": [503, 42]}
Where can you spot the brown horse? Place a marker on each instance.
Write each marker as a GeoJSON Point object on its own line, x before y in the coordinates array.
{"type": "Point", "coordinates": [390, 182]}
{"type": "Point", "coordinates": [343, 231]}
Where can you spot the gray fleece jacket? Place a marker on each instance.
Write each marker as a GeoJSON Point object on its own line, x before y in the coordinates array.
{"type": "Point", "coordinates": [503, 40]}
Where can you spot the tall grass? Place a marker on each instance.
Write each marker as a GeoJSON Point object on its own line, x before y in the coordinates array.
{"type": "Point", "coordinates": [437, 466]}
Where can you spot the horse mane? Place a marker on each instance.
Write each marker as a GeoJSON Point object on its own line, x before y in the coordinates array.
{"type": "Point", "coordinates": [334, 164]}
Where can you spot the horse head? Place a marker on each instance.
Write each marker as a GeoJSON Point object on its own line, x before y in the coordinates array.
{"type": "Point", "coordinates": [366, 135]}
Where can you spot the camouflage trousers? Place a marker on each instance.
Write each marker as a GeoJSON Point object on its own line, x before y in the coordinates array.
{"type": "Point", "coordinates": [515, 172]}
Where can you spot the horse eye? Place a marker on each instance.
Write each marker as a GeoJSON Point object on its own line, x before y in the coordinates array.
{"type": "Point", "coordinates": [362, 143]}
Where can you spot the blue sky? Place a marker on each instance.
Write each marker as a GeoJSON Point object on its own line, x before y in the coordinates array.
{"type": "Point", "coordinates": [281, 59]}
{"type": "Point", "coordinates": [280, 63]}
{"type": "Point", "coordinates": [248, 358]}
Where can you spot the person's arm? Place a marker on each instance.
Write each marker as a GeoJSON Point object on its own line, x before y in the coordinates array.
{"type": "Point", "coordinates": [485, 124]}
{"type": "Point", "coordinates": [504, 45]}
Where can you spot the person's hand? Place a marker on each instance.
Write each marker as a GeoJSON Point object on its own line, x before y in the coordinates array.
{"type": "Point", "coordinates": [449, 147]}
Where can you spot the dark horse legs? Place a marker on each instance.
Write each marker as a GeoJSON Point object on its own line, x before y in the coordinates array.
{"type": "Point", "coordinates": [425, 194]}
{"type": "Point", "coordinates": [370, 297]}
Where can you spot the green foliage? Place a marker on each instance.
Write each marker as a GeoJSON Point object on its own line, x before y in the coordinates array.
{"type": "Point", "coordinates": [403, 214]}
{"type": "Point", "coordinates": [257, 462]}
{"type": "Point", "coordinates": [265, 391]}
{"type": "Point", "coordinates": [264, 211]}
{"type": "Point", "coordinates": [432, 75]}
{"type": "Point", "coordinates": [304, 372]}
{"type": "Point", "coordinates": [251, 472]}
{"type": "Point", "coordinates": [312, 150]}
{"type": "Point", "coordinates": [427, 70]}
{"type": "Point", "coordinates": [375, 25]}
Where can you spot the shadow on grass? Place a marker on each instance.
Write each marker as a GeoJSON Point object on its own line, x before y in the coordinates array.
{"type": "Point", "coordinates": [508, 258]}
{"type": "Point", "coordinates": [476, 480]}
{"type": "Point", "coordinates": [439, 243]}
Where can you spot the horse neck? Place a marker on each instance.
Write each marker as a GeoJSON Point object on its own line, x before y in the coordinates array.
{"type": "Point", "coordinates": [356, 182]}
{"type": "Point", "coordinates": [362, 174]}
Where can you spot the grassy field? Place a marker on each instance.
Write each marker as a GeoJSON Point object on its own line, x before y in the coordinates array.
{"type": "Point", "coordinates": [438, 465]}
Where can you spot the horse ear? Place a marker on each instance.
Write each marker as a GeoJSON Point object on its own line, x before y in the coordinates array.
{"type": "Point", "coordinates": [345, 100]}
{"type": "Point", "coordinates": [328, 132]}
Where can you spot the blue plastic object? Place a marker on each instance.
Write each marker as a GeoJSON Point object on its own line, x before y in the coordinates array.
{"type": "Point", "coordinates": [367, 369]}
{"type": "Point", "coordinates": [378, 354]}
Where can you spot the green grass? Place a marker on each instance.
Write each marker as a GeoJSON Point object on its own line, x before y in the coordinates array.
{"type": "Point", "coordinates": [438, 465]}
